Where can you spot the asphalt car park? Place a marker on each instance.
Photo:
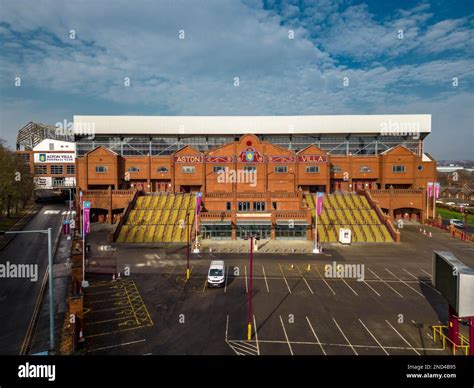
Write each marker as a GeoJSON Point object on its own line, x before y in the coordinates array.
{"type": "Point", "coordinates": [297, 308]}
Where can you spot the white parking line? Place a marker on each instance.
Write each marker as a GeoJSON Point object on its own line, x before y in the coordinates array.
{"type": "Point", "coordinates": [286, 336]}
{"type": "Point", "coordinates": [116, 346]}
{"type": "Point", "coordinates": [171, 273]}
{"type": "Point", "coordinates": [373, 336]}
{"type": "Point", "coordinates": [352, 347]}
{"type": "Point", "coordinates": [246, 284]}
{"type": "Point", "coordinates": [421, 281]}
{"type": "Point", "coordinates": [346, 345]}
{"type": "Point", "coordinates": [243, 348]}
{"type": "Point", "coordinates": [426, 273]}
{"type": "Point", "coordinates": [284, 278]}
{"type": "Point", "coordinates": [383, 281]}
{"type": "Point", "coordinates": [310, 290]}
{"type": "Point", "coordinates": [350, 287]}
{"type": "Point", "coordinates": [227, 327]}
{"type": "Point", "coordinates": [404, 340]}
{"type": "Point", "coordinates": [368, 285]}
{"type": "Point", "coordinates": [405, 283]}
{"type": "Point", "coordinates": [324, 280]}
{"type": "Point", "coordinates": [315, 336]}
{"type": "Point", "coordinates": [226, 275]}
{"type": "Point", "coordinates": [265, 277]}
{"type": "Point", "coordinates": [256, 334]}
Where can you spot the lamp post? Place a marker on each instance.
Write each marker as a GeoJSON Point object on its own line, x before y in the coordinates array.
{"type": "Point", "coordinates": [465, 223]}
{"type": "Point", "coordinates": [50, 276]}
{"type": "Point", "coordinates": [249, 320]}
{"type": "Point", "coordinates": [188, 248]}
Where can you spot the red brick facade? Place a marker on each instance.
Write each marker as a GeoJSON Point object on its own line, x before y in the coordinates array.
{"type": "Point", "coordinates": [397, 178]}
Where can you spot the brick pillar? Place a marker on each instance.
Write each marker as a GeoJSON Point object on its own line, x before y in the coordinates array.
{"type": "Point", "coordinates": [273, 230]}
{"type": "Point", "coordinates": [110, 204]}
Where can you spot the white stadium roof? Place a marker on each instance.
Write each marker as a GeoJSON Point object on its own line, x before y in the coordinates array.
{"type": "Point", "coordinates": [236, 125]}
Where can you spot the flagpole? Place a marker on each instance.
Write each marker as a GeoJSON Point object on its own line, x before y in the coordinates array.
{"type": "Point", "coordinates": [316, 248]}
{"type": "Point", "coordinates": [197, 211]}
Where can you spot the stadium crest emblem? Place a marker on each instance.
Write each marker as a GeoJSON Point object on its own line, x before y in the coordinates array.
{"type": "Point", "coordinates": [250, 156]}
{"type": "Point", "coordinates": [42, 157]}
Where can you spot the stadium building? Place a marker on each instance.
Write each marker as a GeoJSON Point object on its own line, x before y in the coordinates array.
{"type": "Point", "coordinates": [50, 154]}
{"type": "Point", "coordinates": [257, 174]}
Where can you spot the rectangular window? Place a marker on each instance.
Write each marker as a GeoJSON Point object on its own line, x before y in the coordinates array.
{"type": "Point", "coordinates": [217, 169]}
{"type": "Point", "coordinates": [133, 169]}
{"type": "Point", "coordinates": [274, 205]}
{"type": "Point", "coordinates": [41, 169]}
{"type": "Point", "coordinates": [244, 206]}
{"type": "Point", "coordinates": [70, 169]}
{"type": "Point", "coordinates": [25, 157]}
{"type": "Point", "coordinates": [187, 169]}
{"type": "Point", "coordinates": [259, 206]}
{"type": "Point", "coordinates": [228, 206]}
{"type": "Point", "coordinates": [51, 146]}
{"type": "Point", "coordinates": [55, 169]}
{"type": "Point", "coordinates": [250, 168]}
{"type": "Point", "coordinates": [312, 169]}
{"type": "Point", "coordinates": [399, 168]}
{"type": "Point", "coordinates": [101, 169]}
{"type": "Point", "coordinates": [281, 169]}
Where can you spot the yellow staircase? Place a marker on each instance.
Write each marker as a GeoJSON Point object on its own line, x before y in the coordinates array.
{"type": "Point", "coordinates": [159, 218]}
{"type": "Point", "coordinates": [349, 211]}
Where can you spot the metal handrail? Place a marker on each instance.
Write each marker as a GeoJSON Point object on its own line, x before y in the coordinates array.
{"type": "Point", "coordinates": [438, 329]}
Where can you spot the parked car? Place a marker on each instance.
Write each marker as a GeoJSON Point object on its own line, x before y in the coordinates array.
{"type": "Point", "coordinates": [216, 274]}
{"type": "Point", "coordinates": [457, 223]}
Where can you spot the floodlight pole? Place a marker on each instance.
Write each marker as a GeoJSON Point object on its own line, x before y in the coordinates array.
{"type": "Point", "coordinates": [51, 299]}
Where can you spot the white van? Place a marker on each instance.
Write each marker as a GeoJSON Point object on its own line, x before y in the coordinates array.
{"type": "Point", "coordinates": [216, 274]}
{"type": "Point", "coordinates": [456, 223]}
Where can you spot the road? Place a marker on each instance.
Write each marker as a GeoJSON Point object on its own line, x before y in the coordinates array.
{"type": "Point", "coordinates": [18, 296]}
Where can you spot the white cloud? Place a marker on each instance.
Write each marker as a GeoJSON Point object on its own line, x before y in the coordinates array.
{"type": "Point", "coordinates": [225, 39]}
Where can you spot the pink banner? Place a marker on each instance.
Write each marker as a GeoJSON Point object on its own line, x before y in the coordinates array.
{"type": "Point", "coordinates": [319, 203]}
{"type": "Point", "coordinates": [437, 188]}
{"type": "Point", "coordinates": [430, 189]}
{"type": "Point", "coordinates": [87, 224]}
{"type": "Point", "coordinates": [198, 202]}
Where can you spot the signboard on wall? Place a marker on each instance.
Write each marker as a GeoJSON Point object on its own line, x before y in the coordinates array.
{"type": "Point", "coordinates": [312, 158]}
{"type": "Point", "coordinates": [46, 157]}
{"type": "Point", "coordinates": [188, 159]}
{"type": "Point", "coordinates": [43, 182]}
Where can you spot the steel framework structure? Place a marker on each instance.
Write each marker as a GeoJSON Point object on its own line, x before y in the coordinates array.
{"type": "Point", "coordinates": [34, 133]}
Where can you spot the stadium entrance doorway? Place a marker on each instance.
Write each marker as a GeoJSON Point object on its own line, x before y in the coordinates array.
{"type": "Point", "coordinates": [262, 231]}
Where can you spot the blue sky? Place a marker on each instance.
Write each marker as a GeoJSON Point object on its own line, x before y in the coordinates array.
{"type": "Point", "coordinates": [248, 39]}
